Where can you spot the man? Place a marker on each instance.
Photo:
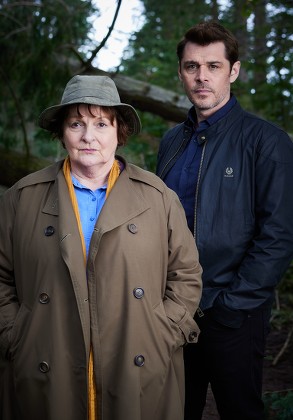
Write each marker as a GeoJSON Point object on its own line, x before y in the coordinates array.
{"type": "Point", "coordinates": [233, 173]}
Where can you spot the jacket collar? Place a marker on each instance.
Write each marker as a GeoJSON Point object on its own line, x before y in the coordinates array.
{"type": "Point", "coordinates": [214, 118]}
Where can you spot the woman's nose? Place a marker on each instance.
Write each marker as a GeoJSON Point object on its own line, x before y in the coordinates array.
{"type": "Point", "coordinates": [88, 134]}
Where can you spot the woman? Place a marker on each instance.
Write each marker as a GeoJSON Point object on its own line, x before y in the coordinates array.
{"type": "Point", "coordinates": [99, 276]}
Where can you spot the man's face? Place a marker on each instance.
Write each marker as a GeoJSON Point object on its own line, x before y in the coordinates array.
{"type": "Point", "coordinates": [206, 76]}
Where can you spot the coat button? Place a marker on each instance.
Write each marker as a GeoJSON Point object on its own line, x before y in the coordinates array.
{"type": "Point", "coordinates": [192, 336]}
{"type": "Point", "coordinates": [139, 360]}
{"type": "Point", "coordinates": [138, 292]}
{"type": "Point", "coordinates": [44, 298]}
{"type": "Point", "coordinates": [132, 228]}
{"type": "Point", "coordinates": [44, 367]}
{"type": "Point", "coordinates": [49, 231]}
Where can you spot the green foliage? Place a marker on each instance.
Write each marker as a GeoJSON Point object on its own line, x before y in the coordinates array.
{"type": "Point", "coordinates": [139, 152]}
{"type": "Point", "coordinates": [40, 40]}
{"type": "Point", "coordinates": [37, 40]}
{"type": "Point", "coordinates": [44, 145]}
{"type": "Point", "coordinates": [274, 62]}
{"type": "Point", "coordinates": [263, 30]}
{"type": "Point", "coordinates": [286, 286]}
{"type": "Point", "coordinates": [282, 311]}
{"type": "Point", "coordinates": [151, 55]}
{"type": "Point", "coordinates": [142, 150]}
{"type": "Point", "coordinates": [279, 405]}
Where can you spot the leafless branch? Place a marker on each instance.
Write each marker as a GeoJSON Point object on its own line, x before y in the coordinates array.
{"type": "Point", "coordinates": [102, 44]}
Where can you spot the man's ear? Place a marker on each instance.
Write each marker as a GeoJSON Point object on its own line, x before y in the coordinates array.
{"type": "Point", "coordinates": [235, 71]}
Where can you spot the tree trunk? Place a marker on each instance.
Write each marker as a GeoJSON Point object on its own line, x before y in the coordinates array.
{"type": "Point", "coordinates": [149, 98]}
{"type": "Point", "coordinates": [15, 165]}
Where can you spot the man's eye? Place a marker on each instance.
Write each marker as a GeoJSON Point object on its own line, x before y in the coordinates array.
{"type": "Point", "coordinates": [191, 68]}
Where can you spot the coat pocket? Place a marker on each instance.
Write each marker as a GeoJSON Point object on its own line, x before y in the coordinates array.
{"type": "Point", "coordinates": [169, 330]}
{"type": "Point", "coordinates": [18, 331]}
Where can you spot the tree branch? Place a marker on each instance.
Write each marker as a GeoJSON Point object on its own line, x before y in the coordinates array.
{"type": "Point", "coordinates": [102, 44]}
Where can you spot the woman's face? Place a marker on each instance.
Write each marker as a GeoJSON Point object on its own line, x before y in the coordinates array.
{"type": "Point", "coordinates": [89, 137]}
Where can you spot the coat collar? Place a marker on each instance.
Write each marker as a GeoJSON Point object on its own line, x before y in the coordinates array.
{"type": "Point", "coordinates": [123, 204]}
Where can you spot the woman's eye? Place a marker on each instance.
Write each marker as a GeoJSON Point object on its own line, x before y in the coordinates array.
{"type": "Point", "coordinates": [75, 124]}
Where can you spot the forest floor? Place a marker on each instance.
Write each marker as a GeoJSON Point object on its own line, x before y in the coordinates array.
{"type": "Point", "coordinates": [277, 378]}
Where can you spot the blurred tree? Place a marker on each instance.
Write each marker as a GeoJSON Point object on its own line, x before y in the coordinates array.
{"type": "Point", "coordinates": [265, 40]}
{"type": "Point", "coordinates": [43, 43]}
{"type": "Point", "coordinates": [37, 41]}
{"type": "Point", "coordinates": [264, 31]}
{"type": "Point", "coordinates": [276, 94]}
{"type": "Point", "coordinates": [151, 54]}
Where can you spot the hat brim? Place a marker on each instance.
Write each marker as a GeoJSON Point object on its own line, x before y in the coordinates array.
{"type": "Point", "coordinates": [48, 116]}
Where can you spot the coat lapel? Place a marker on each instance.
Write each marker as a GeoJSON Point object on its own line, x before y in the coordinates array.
{"type": "Point", "coordinates": [58, 203]}
{"type": "Point", "coordinates": [123, 204]}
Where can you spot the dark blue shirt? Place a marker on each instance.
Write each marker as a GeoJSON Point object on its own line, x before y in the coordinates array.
{"type": "Point", "coordinates": [184, 174]}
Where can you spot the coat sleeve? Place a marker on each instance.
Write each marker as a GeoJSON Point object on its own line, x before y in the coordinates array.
{"type": "Point", "coordinates": [184, 284]}
{"type": "Point", "coordinates": [271, 249]}
{"type": "Point", "coordinates": [9, 305]}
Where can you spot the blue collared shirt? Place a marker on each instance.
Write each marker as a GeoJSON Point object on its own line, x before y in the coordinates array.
{"type": "Point", "coordinates": [182, 178]}
{"type": "Point", "coordinates": [90, 204]}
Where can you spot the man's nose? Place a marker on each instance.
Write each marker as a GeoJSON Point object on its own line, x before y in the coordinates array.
{"type": "Point", "coordinates": [201, 73]}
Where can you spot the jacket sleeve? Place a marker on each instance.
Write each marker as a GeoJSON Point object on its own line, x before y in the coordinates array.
{"type": "Point", "coordinates": [8, 297]}
{"type": "Point", "coordinates": [271, 250]}
{"type": "Point", "coordinates": [184, 284]}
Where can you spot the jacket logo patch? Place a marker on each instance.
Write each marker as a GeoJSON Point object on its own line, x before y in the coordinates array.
{"type": "Point", "coordinates": [229, 172]}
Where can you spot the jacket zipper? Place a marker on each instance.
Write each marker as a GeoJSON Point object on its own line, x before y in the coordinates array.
{"type": "Point", "coordinates": [199, 311]}
{"type": "Point", "coordinates": [197, 190]}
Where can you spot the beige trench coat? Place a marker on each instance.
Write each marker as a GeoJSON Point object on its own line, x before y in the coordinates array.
{"type": "Point", "coordinates": [134, 303]}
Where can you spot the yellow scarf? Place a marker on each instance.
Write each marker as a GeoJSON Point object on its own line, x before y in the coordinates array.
{"type": "Point", "coordinates": [113, 176]}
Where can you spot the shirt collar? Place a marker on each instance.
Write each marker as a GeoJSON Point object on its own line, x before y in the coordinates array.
{"type": "Point", "coordinates": [77, 184]}
{"type": "Point", "coordinates": [213, 118]}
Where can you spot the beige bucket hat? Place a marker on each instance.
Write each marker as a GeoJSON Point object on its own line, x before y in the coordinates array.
{"type": "Point", "coordinates": [93, 90]}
